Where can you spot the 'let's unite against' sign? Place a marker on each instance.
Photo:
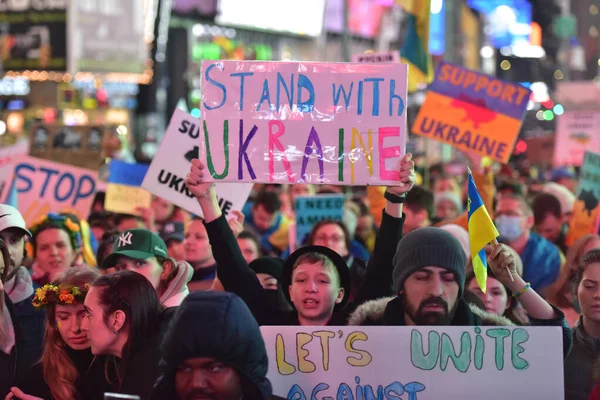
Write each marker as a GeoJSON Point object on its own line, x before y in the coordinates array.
{"type": "Point", "coordinates": [303, 122]}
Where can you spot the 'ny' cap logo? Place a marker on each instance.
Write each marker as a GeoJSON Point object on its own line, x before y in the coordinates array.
{"type": "Point", "coordinates": [125, 239]}
{"type": "Point", "coordinates": [169, 228]}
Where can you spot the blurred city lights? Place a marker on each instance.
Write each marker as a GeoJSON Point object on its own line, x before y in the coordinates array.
{"type": "Point", "coordinates": [505, 65]}
{"type": "Point", "coordinates": [540, 115]}
{"type": "Point", "coordinates": [558, 74]}
{"type": "Point", "coordinates": [559, 109]}
{"type": "Point", "coordinates": [195, 113]}
{"type": "Point", "coordinates": [548, 115]}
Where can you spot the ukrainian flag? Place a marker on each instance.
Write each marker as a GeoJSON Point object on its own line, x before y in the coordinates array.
{"type": "Point", "coordinates": [414, 51]}
{"type": "Point", "coordinates": [481, 232]}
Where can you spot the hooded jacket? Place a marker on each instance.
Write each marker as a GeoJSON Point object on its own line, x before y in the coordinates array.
{"type": "Point", "coordinates": [177, 290]}
{"type": "Point", "coordinates": [390, 311]}
{"type": "Point", "coordinates": [218, 325]}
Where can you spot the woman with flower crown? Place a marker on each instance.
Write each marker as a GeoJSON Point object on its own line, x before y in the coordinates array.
{"type": "Point", "coordinates": [68, 369]}
{"type": "Point", "coordinates": [55, 244]}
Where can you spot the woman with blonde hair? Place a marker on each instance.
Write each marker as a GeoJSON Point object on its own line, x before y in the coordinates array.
{"type": "Point", "coordinates": [562, 293]}
{"type": "Point", "coordinates": [68, 369]}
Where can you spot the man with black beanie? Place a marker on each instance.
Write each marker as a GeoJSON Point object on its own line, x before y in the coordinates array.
{"type": "Point", "coordinates": [213, 349]}
{"type": "Point", "coordinates": [429, 281]}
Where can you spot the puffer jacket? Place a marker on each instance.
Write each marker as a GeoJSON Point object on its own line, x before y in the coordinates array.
{"type": "Point", "coordinates": [389, 311]}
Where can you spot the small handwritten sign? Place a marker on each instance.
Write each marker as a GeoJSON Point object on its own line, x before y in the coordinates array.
{"type": "Point", "coordinates": [297, 122]}
{"type": "Point", "coordinates": [586, 211]}
{"type": "Point", "coordinates": [312, 209]}
{"type": "Point", "coordinates": [413, 363]}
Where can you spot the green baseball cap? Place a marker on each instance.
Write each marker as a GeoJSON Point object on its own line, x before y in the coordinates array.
{"type": "Point", "coordinates": [138, 244]}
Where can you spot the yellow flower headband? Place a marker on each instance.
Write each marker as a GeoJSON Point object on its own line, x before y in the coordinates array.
{"type": "Point", "coordinates": [52, 294]}
{"type": "Point", "coordinates": [72, 228]}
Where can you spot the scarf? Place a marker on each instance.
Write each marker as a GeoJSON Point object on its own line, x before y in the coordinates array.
{"type": "Point", "coordinates": [177, 289]}
{"type": "Point", "coordinates": [7, 331]}
{"type": "Point", "coordinates": [20, 286]}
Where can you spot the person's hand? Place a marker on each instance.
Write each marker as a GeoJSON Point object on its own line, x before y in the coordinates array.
{"type": "Point", "coordinates": [407, 176]}
{"type": "Point", "coordinates": [195, 180]}
{"type": "Point", "coordinates": [237, 222]}
{"type": "Point", "coordinates": [501, 261]}
{"type": "Point", "coordinates": [147, 215]}
{"type": "Point", "coordinates": [17, 394]}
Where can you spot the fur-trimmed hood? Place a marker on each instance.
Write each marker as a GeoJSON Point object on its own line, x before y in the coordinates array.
{"type": "Point", "coordinates": [373, 311]}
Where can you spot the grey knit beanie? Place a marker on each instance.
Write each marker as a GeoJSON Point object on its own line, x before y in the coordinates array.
{"type": "Point", "coordinates": [429, 247]}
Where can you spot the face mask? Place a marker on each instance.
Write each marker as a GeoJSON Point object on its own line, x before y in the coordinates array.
{"type": "Point", "coordinates": [508, 227]}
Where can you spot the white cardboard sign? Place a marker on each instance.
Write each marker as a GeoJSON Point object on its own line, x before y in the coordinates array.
{"type": "Point", "coordinates": [391, 57]}
{"type": "Point", "coordinates": [411, 363]}
{"type": "Point", "coordinates": [171, 164]}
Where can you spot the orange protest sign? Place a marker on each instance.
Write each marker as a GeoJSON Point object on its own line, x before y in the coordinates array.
{"type": "Point", "coordinates": [473, 112]}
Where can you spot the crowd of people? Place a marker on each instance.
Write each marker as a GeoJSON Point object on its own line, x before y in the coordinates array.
{"type": "Point", "coordinates": [167, 305]}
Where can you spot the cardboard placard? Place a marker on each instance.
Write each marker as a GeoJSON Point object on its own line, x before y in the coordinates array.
{"type": "Point", "coordinates": [123, 192]}
{"type": "Point", "coordinates": [171, 164]}
{"type": "Point", "coordinates": [312, 209]}
{"type": "Point", "coordinates": [586, 211]}
{"type": "Point", "coordinates": [45, 186]}
{"type": "Point", "coordinates": [303, 122]}
{"type": "Point", "coordinates": [576, 133]}
{"type": "Point", "coordinates": [424, 363]}
{"type": "Point", "coordinates": [473, 112]}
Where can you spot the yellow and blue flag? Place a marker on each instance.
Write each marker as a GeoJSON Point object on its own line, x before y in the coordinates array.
{"type": "Point", "coordinates": [482, 231]}
{"type": "Point", "coordinates": [415, 49]}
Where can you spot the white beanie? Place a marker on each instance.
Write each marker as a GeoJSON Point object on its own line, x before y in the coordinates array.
{"type": "Point", "coordinates": [461, 235]}
{"type": "Point", "coordinates": [450, 196]}
{"type": "Point", "coordinates": [565, 196]}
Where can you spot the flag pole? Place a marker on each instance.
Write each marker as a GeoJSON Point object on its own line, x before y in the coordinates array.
{"type": "Point", "coordinates": [495, 241]}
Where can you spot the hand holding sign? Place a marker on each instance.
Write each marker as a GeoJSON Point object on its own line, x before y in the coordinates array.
{"type": "Point", "coordinates": [406, 175]}
{"type": "Point", "coordinates": [195, 180]}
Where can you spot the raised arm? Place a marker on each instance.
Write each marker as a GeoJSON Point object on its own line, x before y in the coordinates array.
{"type": "Point", "coordinates": [378, 278]}
{"type": "Point", "coordinates": [232, 268]}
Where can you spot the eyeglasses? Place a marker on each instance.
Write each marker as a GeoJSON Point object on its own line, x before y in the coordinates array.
{"type": "Point", "coordinates": [332, 238]}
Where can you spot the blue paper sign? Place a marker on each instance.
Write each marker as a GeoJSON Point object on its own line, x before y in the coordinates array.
{"type": "Point", "coordinates": [123, 173]}
{"type": "Point", "coordinates": [310, 210]}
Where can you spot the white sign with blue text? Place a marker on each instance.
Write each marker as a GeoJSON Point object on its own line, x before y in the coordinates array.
{"type": "Point", "coordinates": [410, 363]}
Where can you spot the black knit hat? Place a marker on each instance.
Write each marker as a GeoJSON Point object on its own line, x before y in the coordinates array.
{"type": "Point", "coordinates": [337, 260]}
{"type": "Point", "coordinates": [268, 265]}
{"type": "Point", "coordinates": [429, 247]}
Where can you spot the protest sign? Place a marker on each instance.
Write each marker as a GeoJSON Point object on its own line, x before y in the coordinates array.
{"type": "Point", "coordinates": [391, 57]}
{"type": "Point", "coordinates": [296, 122]}
{"type": "Point", "coordinates": [410, 363]}
{"type": "Point", "coordinates": [312, 209]}
{"type": "Point", "coordinates": [171, 164]}
{"type": "Point", "coordinates": [576, 133]}
{"type": "Point", "coordinates": [586, 211]}
{"type": "Point", "coordinates": [123, 192]}
{"type": "Point", "coordinates": [45, 186]}
{"type": "Point", "coordinates": [473, 112]}
{"type": "Point", "coordinates": [9, 156]}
